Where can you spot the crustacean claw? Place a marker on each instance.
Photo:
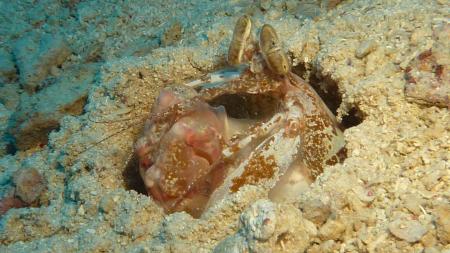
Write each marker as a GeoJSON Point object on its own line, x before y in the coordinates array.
{"type": "Point", "coordinates": [208, 138]}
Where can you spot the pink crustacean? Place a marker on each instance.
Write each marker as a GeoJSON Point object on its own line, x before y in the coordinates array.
{"type": "Point", "coordinates": [253, 123]}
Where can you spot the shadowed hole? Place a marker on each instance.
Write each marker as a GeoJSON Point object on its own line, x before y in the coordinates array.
{"type": "Point", "coordinates": [328, 90]}
{"type": "Point", "coordinates": [353, 118]}
{"type": "Point", "coordinates": [325, 87]}
{"type": "Point", "coordinates": [132, 179]}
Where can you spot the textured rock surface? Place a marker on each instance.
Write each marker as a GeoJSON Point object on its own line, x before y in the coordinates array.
{"type": "Point", "coordinates": [442, 214]}
{"type": "Point", "coordinates": [428, 75]}
{"type": "Point", "coordinates": [410, 231]}
{"type": "Point", "coordinates": [40, 113]}
{"type": "Point", "coordinates": [7, 68]}
{"type": "Point", "coordinates": [400, 148]}
{"type": "Point", "coordinates": [29, 185]}
{"type": "Point", "coordinates": [264, 225]}
{"type": "Point", "coordinates": [35, 55]}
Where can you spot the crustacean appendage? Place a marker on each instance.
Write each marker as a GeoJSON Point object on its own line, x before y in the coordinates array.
{"type": "Point", "coordinates": [254, 123]}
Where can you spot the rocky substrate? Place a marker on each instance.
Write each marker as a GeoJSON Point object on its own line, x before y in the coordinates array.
{"type": "Point", "coordinates": [77, 80]}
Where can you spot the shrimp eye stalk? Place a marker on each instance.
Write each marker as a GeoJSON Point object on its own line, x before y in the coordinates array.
{"type": "Point", "coordinates": [272, 51]}
{"type": "Point", "coordinates": [238, 43]}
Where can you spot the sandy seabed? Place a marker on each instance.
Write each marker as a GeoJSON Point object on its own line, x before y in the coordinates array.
{"type": "Point", "coordinates": [78, 78]}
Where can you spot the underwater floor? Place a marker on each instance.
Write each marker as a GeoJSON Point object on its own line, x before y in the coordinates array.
{"type": "Point", "coordinates": [79, 85]}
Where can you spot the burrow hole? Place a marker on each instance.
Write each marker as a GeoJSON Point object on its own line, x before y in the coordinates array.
{"type": "Point", "coordinates": [328, 90]}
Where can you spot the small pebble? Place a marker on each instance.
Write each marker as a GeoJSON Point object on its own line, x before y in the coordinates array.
{"type": "Point", "coordinates": [107, 203]}
{"type": "Point", "coordinates": [429, 239]}
{"type": "Point", "coordinates": [328, 246]}
{"type": "Point", "coordinates": [144, 250]}
{"type": "Point", "coordinates": [10, 202]}
{"type": "Point", "coordinates": [365, 48]}
{"type": "Point", "coordinates": [442, 214]}
{"type": "Point", "coordinates": [173, 34]}
{"type": "Point", "coordinates": [413, 203]}
{"type": "Point", "coordinates": [291, 5]}
{"type": "Point", "coordinates": [410, 231]}
{"type": "Point", "coordinates": [331, 230]}
{"type": "Point", "coordinates": [29, 185]}
{"type": "Point", "coordinates": [310, 227]}
{"type": "Point", "coordinates": [90, 231]}
{"type": "Point", "coordinates": [265, 4]}
{"type": "Point", "coordinates": [259, 220]}
{"type": "Point", "coordinates": [331, 4]}
{"type": "Point", "coordinates": [364, 194]}
{"type": "Point", "coordinates": [274, 14]}
{"type": "Point", "coordinates": [430, 180]}
{"type": "Point", "coordinates": [235, 244]}
{"type": "Point", "coordinates": [7, 68]}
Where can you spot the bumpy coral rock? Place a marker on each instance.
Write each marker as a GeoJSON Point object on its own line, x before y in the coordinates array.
{"type": "Point", "coordinates": [428, 75]}
{"type": "Point", "coordinates": [410, 231]}
{"type": "Point", "coordinates": [36, 54]}
{"type": "Point", "coordinates": [259, 221]}
{"type": "Point", "coordinates": [315, 210]}
{"type": "Point", "coordinates": [365, 48]}
{"type": "Point", "coordinates": [29, 185]}
{"type": "Point", "coordinates": [232, 244]}
{"type": "Point", "coordinates": [266, 226]}
{"type": "Point", "coordinates": [331, 230]}
{"type": "Point", "coordinates": [40, 113]}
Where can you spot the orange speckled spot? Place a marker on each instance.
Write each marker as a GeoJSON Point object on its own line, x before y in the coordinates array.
{"type": "Point", "coordinates": [172, 181]}
{"type": "Point", "coordinates": [235, 148]}
{"type": "Point", "coordinates": [257, 169]}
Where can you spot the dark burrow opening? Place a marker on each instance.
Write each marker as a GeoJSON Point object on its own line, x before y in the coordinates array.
{"type": "Point", "coordinates": [132, 179]}
{"type": "Point", "coordinates": [353, 118]}
{"type": "Point", "coordinates": [328, 90]}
